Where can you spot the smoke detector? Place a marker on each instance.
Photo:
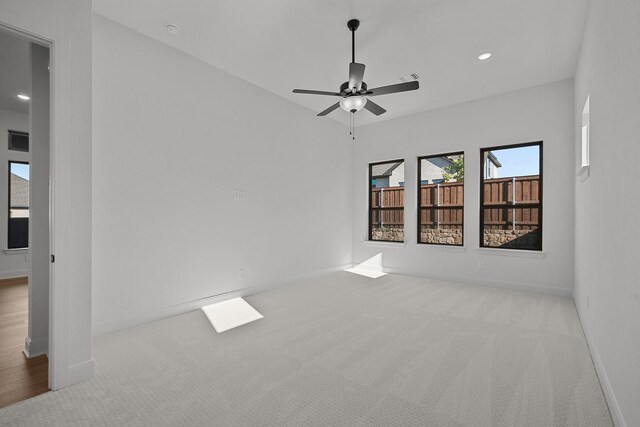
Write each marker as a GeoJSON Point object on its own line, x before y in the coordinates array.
{"type": "Point", "coordinates": [173, 29]}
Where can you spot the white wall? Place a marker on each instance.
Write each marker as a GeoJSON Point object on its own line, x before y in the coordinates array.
{"type": "Point", "coordinates": [173, 138]}
{"type": "Point", "coordinates": [607, 267]}
{"type": "Point", "coordinates": [12, 263]}
{"type": "Point", "coordinates": [67, 24]}
{"type": "Point", "coordinates": [38, 340]}
{"type": "Point", "coordinates": [541, 113]}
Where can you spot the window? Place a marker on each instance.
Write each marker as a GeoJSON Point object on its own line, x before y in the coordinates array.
{"type": "Point", "coordinates": [585, 137]}
{"type": "Point", "coordinates": [18, 141]}
{"type": "Point", "coordinates": [386, 201]}
{"type": "Point", "coordinates": [511, 197]}
{"type": "Point", "coordinates": [18, 230]}
{"type": "Point", "coordinates": [441, 199]}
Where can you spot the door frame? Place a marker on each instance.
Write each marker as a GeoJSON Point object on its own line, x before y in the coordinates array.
{"type": "Point", "coordinates": [65, 346]}
{"type": "Point", "coordinates": [32, 38]}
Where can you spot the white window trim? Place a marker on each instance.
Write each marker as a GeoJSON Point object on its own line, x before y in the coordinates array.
{"type": "Point", "coordinates": [585, 141]}
{"type": "Point", "coordinates": [519, 253]}
{"type": "Point", "coordinates": [17, 251]}
{"type": "Point", "coordinates": [384, 244]}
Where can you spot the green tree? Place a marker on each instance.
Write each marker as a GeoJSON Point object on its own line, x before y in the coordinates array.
{"type": "Point", "coordinates": [455, 171]}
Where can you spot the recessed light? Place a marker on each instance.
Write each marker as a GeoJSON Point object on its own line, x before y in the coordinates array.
{"type": "Point", "coordinates": [173, 29]}
{"type": "Point", "coordinates": [484, 56]}
{"type": "Point", "coordinates": [23, 97]}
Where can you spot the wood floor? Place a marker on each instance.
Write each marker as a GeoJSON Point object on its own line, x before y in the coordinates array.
{"type": "Point", "coordinates": [20, 378]}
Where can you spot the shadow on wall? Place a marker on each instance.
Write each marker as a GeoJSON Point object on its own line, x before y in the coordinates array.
{"type": "Point", "coordinates": [513, 239]}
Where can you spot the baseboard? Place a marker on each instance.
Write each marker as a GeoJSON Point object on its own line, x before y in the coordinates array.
{"type": "Point", "coordinates": [36, 347]}
{"type": "Point", "coordinates": [166, 312]}
{"type": "Point", "coordinates": [306, 276]}
{"type": "Point", "coordinates": [80, 372]}
{"type": "Point", "coordinates": [609, 395]}
{"type": "Point", "coordinates": [510, 285]}
{"type": "Point", "coordinates": [13, 274]}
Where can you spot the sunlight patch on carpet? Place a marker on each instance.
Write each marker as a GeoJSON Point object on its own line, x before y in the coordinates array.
{"type": "Point", "coordinates": [366, 272]}
{"type": "Point", "coordinates": [230, 314]}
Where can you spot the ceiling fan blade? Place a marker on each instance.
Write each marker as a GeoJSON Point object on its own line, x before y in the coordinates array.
{"type": "Point", "coordinates": [316, 92]}
{"type": "Point", "coordinates": [356, 74]}
{"type": "Point", "coordinates": [330, 109]}
{"type": "Point", "coordinates": [400, 87]}
{"type": "Point", "coordinates": [374, 108]}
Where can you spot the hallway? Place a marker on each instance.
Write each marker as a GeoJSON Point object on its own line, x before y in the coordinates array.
{"type": "Point", "coordinates": [20, 378]}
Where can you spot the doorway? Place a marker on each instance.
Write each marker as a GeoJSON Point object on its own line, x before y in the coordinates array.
{"type": "Point", "coordinates": [24, 218]}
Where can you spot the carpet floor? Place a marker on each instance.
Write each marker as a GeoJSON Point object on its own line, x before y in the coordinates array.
{"type": "Point", "coordinates": [344, 350]}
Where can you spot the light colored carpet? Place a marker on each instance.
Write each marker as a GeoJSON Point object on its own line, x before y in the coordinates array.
{"type": "Point", "coordinates": [345, 350]}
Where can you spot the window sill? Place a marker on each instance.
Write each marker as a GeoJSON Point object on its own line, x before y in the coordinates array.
{"type": "Point", "coordinates": [381, 244]}
{"type": "Point", "coordinates": [519, 253]}
{"type": "Point", "coordinates": [448, 248]}
{"type": "Point", "coordinates": [583, 173]}
{"type": "Point", "coordinates": [22, 251]}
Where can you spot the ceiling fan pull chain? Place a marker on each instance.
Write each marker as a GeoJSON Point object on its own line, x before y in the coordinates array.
{"type": "Point", "coordinates": [353, 126]}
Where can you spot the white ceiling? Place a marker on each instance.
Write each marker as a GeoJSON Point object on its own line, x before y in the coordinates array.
{"type": "Point", "coordinates": [286, 44]}
{"type": "Point", "coordinates": [14, 72]}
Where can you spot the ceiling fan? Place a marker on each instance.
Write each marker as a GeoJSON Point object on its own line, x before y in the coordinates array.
{"type": "Point", "coordinates": [354, 93]}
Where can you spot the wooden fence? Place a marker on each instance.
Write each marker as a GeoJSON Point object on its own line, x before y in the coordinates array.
{"type": "Point", "coordinates": [512, 203]}
{"type": "Point", "coordinates": [442, 204]}
{"type": "Point", "coordinates": [387, 206]}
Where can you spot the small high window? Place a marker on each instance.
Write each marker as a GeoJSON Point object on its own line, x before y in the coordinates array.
{"type": "Point", "coordinates": [18, 141]}
{"type": "Point", "coordinates": [18, 230]}
{"type": "Point", "coordinates": [511, 197]}
{"type": "Point", "coordinates": [585, 137]}
{"type": "Point", "coordinates": [441, 199]}
{"type": "Point", "coordinates": [386, 201]}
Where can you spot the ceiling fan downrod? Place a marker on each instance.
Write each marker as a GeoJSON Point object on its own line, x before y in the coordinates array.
{"type": "Point", "coordinates": [353, 25]}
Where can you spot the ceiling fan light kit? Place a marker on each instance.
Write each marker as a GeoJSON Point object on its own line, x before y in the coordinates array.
{"type": "Point", "coordinates": [355, 93]}
{"type": "Point", "coordinates": [352, 104]}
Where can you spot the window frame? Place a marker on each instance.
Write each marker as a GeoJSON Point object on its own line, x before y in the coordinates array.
{"type": "Point", "coordinates": [585, 139]}
{"type": "Point", "coordinates": [370, 204]}
{"type": "Point", "coordinates": [9, 163]}
{"type": "Point", "coordinates": [419, 201]}
{"type": "Point", "coordinates": [523, 205]}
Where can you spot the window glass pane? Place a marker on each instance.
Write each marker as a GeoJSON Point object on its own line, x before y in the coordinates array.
{"type": "Point", "coordinates": [511, 213]}
{"type": "Point", "coordinates": [18, 230]}
{"type": "Point", "coordinates": [441, 199]}
{"type": "Point", "coordinates": [386, 201]}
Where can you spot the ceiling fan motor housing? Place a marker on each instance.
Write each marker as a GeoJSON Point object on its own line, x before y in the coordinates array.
{"type": "Point", "coordinates": [346, 91]}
